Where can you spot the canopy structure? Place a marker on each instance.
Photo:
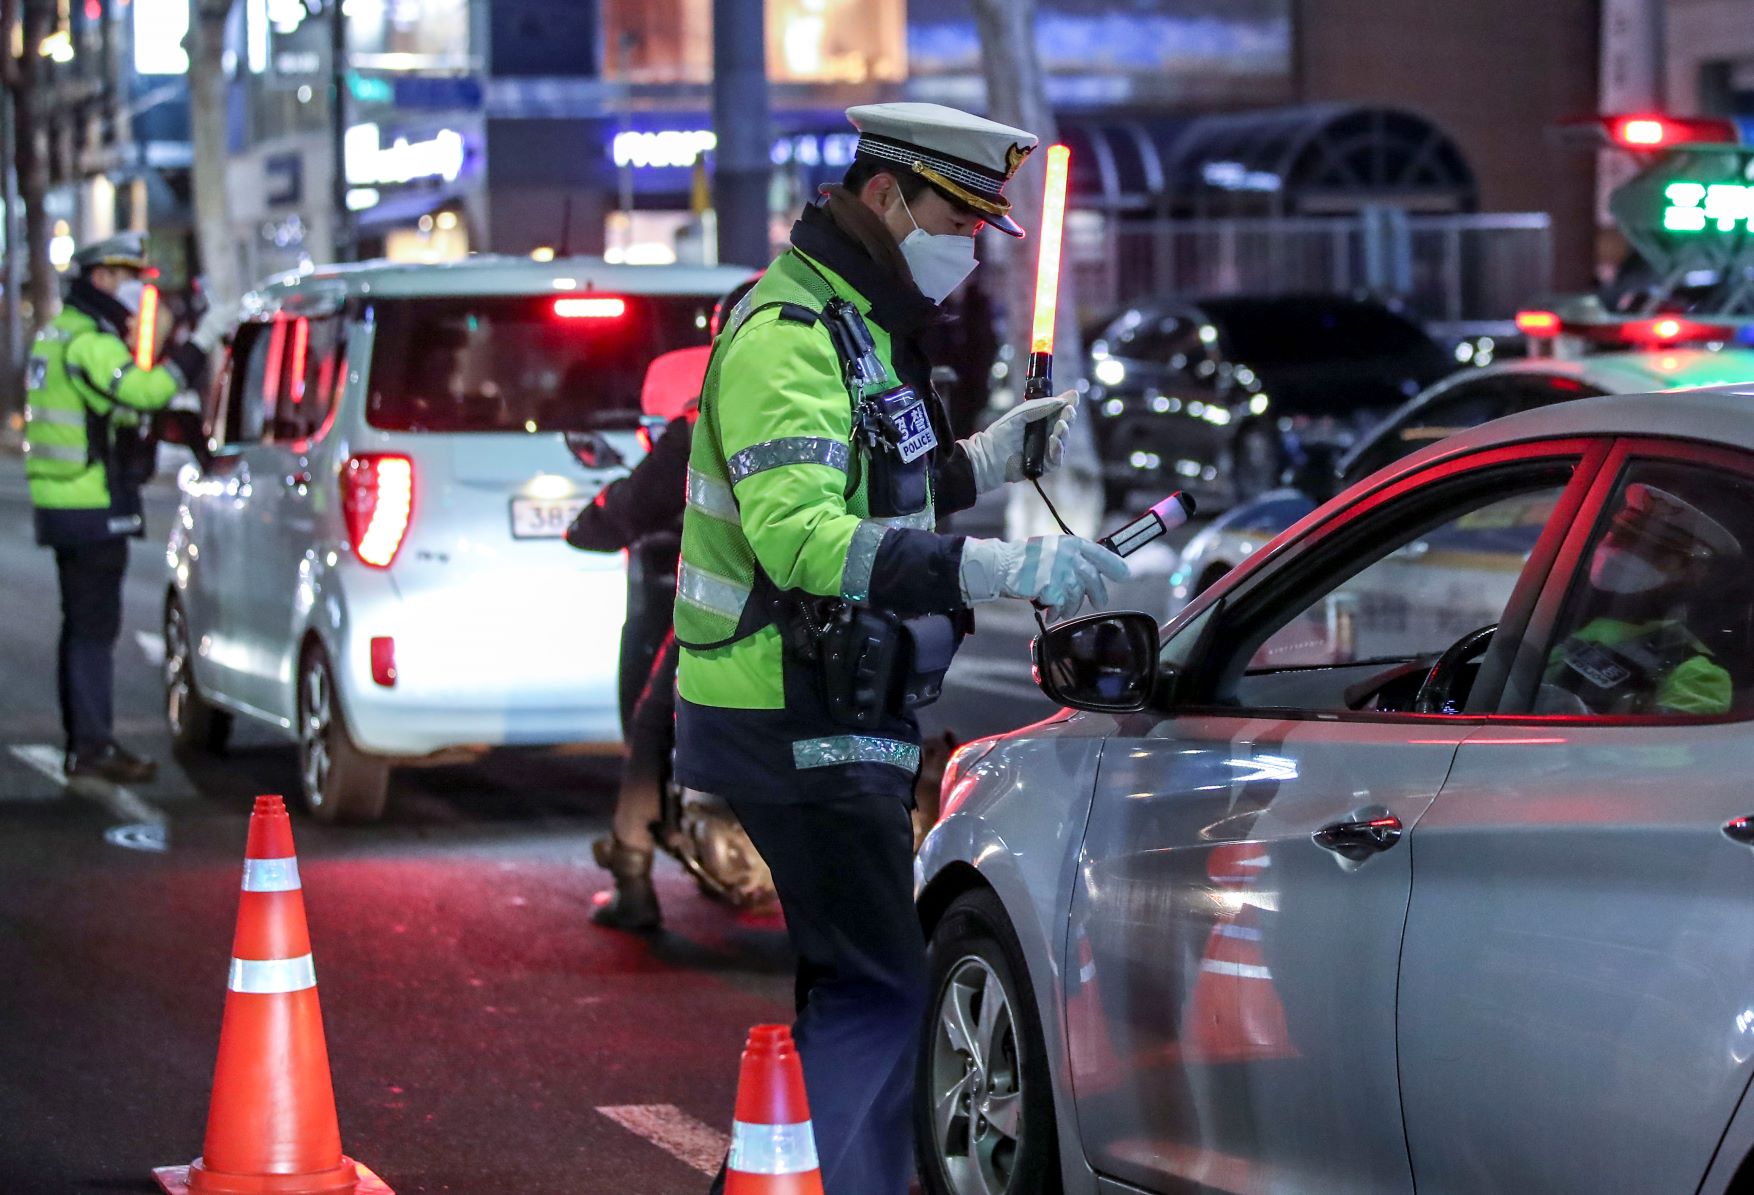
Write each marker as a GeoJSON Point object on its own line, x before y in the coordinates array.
{"type": "Point", "coordinates": [1308, 160]}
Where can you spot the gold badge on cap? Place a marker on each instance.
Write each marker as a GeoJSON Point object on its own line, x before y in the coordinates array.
{"type": "Point", "coordinates": [1014, 158]}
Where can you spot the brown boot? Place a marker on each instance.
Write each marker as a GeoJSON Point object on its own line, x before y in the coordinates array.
{"type": "Point", "coordinates": [633, 903]}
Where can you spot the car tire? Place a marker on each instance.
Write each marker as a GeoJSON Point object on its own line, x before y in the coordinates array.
{"type": "Point", "coordinates": [339, 782]}
{"type": "Point", "coordinates": [974, 958]}
{"type": "Point", "coordinates": [1257, 461]}
{"type": "Point", "coordinates": [196, 724]}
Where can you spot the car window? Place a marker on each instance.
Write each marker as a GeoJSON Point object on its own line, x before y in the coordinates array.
{"type": "Point", "coordinates": [1659, 619]}
{"type": "Point", "coordinates": [255, 374]}
{"type": "Point", "coordinates": [1387, 592]}
{"type": "Point", "coordinates": [1466, 405]}
{"type": "Point", "coordinates": [1302, 332]}
{"type": "Point", "coordinates": [298, 400]}
{"type": "Point", "coordinates": [522, 364]}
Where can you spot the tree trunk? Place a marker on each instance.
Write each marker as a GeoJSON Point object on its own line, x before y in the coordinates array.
{"type": "Point", "coordinates": [214, 240]}
{"type": "Point", "coordinates": [1017, 95]}
{"type": "Point", "coordinates": [24, 77]}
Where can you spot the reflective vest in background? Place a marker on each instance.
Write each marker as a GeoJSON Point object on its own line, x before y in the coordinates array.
{"type": "Point", "coordinates": [731, 655]}
{"type": "Point", "coordinates": [83, 388]}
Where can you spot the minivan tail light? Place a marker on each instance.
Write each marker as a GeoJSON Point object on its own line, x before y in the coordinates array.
{"type": "Point", "coordinates": [377, 496]}
{"type": "Point", "coordinates": [384, 660]}
{"type": "Point", "coordinates": [592, 307]}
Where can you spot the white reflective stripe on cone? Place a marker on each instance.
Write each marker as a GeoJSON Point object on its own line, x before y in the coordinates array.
{"type": "Point", "coordinates": [772, 1148]}
{"type": "Point", "coordinates": [273, 975]}
{"type": "Point", "coordinates": [271, 875]}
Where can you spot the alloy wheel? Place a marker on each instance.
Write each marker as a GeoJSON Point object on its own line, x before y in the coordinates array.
{"type": "Point", "coordinates": [315, 730]}
{"type": "Point", "coordinates": [179, 687]}
{"type": "Point", "coordinates": [976, 1082]}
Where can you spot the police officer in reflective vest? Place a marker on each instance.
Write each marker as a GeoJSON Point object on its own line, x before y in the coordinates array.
{"type": "Point", "coordinates": [88, 449]}
{"type": "Point", "coordinates": [1632, 651]}
{"type": "Point", "coordinates": [817, 606]}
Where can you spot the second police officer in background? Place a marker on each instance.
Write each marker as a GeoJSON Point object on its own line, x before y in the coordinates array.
{"type": "Point", "coordinates": [817, 607]}
{"type": "Point", "coordinates": [88, 450]}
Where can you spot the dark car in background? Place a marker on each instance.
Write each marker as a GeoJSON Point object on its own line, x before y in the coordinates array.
{"type": "Point", "coordinates": [1221, 396]}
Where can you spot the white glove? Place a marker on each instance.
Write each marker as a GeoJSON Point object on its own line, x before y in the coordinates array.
{"type": "Point", "coordinates": [997, 452]}
{"type": "Point", "coordinates": [1056, 571]}
{"type": "Point", "coordinates": [215, 325]}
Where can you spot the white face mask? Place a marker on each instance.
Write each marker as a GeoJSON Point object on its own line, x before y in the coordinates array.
{"type": "Point", "coordinates": [128, 293]}
{"type": "Point", "coordinates": [939, 262]}
{"type": "Point", "coordinates": [1615, 570]}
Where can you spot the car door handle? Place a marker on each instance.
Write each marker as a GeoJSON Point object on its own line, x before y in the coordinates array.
{"type": "Point", "coordinates": [1358, 838]}
{"type": "Point", "coordinates": [1741, 829]}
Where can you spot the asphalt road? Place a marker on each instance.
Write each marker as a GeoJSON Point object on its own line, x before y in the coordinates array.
{"type": "Point", "coordinates": [483, 1034]}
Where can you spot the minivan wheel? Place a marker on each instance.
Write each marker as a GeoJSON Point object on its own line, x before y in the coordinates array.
{"type": "Point", "coordinates": [195, 723]}
{"type": "Point", "coordinates": [984, 1107]}
{"type": "Point", "coordinates": [340, 782]}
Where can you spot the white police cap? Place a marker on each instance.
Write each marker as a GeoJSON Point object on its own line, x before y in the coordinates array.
{"type": "Point", "coordinates": [125, 250]}
{"type": "Point", "coordinates": [968, 158]}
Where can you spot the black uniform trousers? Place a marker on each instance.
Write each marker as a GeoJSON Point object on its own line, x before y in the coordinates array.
{"type": "Point", "coordinates": [843, 869]}
{"type": "Point", "coordinates": [91, 620]}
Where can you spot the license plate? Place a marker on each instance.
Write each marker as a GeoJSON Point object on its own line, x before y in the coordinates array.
{"type": "Point", "coordinates": [544, 518]}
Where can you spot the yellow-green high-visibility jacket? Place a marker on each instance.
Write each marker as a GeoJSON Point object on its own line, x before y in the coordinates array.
{"type": "Point", "coordinates": [777, 487]}
{"type": "Point", "coordinates": [83, 389]}
{"type": "Point", "coordinates": [1655, 667]}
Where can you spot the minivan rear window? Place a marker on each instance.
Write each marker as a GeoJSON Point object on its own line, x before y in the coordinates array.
{"type": "Point", "coordinates": [489, 363]}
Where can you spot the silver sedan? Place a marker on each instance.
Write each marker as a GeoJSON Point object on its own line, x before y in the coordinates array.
{"type": "Point", "coordinates": [1289, 902]}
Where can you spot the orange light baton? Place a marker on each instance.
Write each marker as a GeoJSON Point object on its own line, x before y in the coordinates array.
{"type": "Point", "coordinates": [146, 327]}
{"type": "Point", "coordinates": [1038, 381]}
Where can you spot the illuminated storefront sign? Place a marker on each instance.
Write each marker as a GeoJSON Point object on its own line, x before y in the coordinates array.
{"type": "Point", "coordinates": [1699, 207]}
{"type": "Point", "coordinates": [370, 163]}
{"type": "Point", "coordinates": [159, 29]}
{"type": "Point", "coordinates": [670, 148]}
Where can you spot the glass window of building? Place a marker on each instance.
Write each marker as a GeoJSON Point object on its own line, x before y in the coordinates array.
{"type": "Point", "coordinates": [808, 41]}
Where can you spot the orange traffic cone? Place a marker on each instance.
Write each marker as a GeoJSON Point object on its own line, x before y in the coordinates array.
{"type": "Point", "coordinates": [1095, 1065]}
{"type": "Point", "coordinates": [773, 1147]}
{"type": "Point", "coordinates": [271, 1127]}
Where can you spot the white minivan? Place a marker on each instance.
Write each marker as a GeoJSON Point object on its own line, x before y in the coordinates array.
{"type": "Point", "coordinates": [372, 559]}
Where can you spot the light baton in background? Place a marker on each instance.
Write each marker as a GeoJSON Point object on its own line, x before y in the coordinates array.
{"type": "Point", "coordinates": [146, 327]}
{"type": "Point", "coordinates": [1038, 382]}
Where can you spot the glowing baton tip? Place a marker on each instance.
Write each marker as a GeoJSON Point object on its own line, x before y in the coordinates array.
{"type": "Point", "coordinates": [1047, 268]}
{"type": "Point", "coordinates": [146, 327]}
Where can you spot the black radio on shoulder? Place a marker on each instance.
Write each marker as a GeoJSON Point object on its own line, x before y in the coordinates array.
{"type": "Point", "coordinates": [891, 424]}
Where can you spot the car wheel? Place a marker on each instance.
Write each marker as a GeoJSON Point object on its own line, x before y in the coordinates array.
{"type": "Point", "coordinates": [195, 723]}
{"type": "Point", "coordinates": [1258, 461]}
{"type": "Point", "coordinates": [339, 781]}
{"type": "Point", "coordinates": [984, 1108]}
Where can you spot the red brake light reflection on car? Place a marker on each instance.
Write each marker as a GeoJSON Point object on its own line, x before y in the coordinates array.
{"type": "Point", "coordinates": [377, 497]}
{"type": "Point", "coordinates": [592, 307]}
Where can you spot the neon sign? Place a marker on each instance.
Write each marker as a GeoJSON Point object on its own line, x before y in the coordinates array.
{"type": "Point", "coordinates": [1698, 207]}
{"type": "Point", "coordinates": [370, 163]}
{"type": "Point", "coordinates": [671, 148]}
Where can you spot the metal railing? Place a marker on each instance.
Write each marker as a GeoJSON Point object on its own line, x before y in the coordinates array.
{"type": "Point", "coordinates": [1454, 271]}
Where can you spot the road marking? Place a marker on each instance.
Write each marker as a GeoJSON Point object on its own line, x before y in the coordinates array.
{"type": "Point", "coordinates": [675, 1132]}
{"type": "Point", "coordinates": [121, 802]}
{"type": "Point", "coordinates": [151, 646]}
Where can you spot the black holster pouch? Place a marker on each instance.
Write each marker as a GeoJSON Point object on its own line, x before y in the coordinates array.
{"type": "Point", "coordinates": [874, 665]}
{"type": "Point", "coordinates": [894, 486]}
{"type": "Point", "coordinates": [134, 454]}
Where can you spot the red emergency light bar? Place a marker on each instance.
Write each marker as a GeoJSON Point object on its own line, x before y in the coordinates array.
{"type": "Point", "coordinates": [1649, 131]}
{"type": "Point", "coordinates": [1658, 330]}
{"type": "Point", "coordinates": [594, 307]}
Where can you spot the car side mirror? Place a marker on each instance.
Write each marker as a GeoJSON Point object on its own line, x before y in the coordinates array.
{"type": "Point", "coordinates": [184, 427]}
{"type": "Point", "coordinates": [594, 451]}
{"type": "Point", "coordinates": [1101, 662]}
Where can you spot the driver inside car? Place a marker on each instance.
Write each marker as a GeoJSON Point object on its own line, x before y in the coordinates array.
{"type": "Point", "coordinates": [1634, 652]}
